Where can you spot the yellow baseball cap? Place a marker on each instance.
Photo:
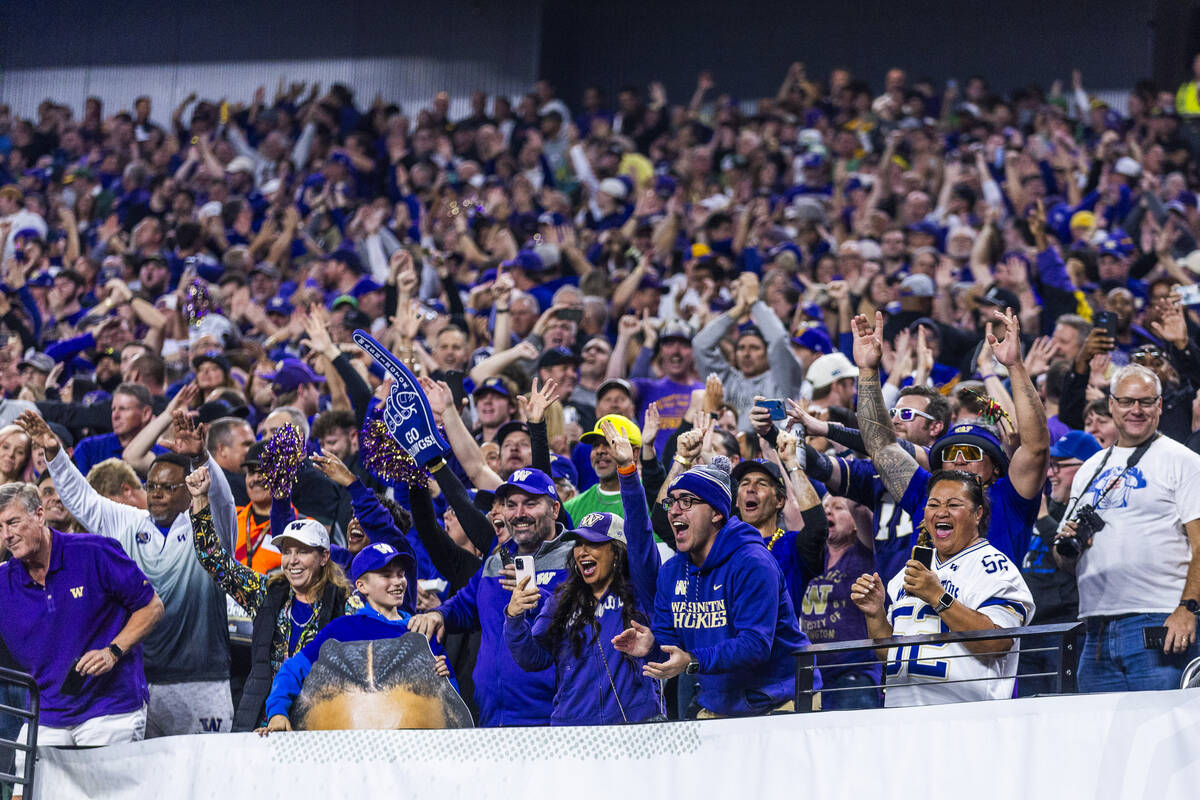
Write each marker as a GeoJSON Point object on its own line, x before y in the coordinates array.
{"type": "Point", "coordinates": [1083, 219]}
{"type": "Point", "coordinates": [622, 424]}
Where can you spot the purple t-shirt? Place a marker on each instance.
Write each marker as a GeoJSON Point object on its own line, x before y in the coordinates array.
{"type": "Point", "coordinates": [673, 400]}
{"type": "Point", "coordinates": [827, 613]}
{"type": "Point", "coordinates": [92, 588]}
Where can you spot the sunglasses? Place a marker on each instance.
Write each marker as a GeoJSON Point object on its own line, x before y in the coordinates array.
{"type": "Point", "coordinates": [908, 414]}
{"type": "Point", "coordinates": [969, 453]}
{"type": "Point", "coordinates": [1149, 355]}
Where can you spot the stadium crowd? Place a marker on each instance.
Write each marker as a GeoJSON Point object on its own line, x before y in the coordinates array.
{"type": "Point", "coordinates": [717, 382]}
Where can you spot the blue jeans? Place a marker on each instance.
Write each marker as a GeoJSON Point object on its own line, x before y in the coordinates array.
{"type": "Point", "coordinates": [860, 691]}
{"type": "Point", "coordinates": [1115, 657]}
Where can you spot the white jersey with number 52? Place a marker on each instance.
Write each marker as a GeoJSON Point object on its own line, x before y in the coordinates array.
{"type": "Point", "coordinates": [981, 578]}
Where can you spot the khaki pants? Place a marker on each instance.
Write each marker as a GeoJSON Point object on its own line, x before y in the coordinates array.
{"type": "Point", "coordinates": [790, 705]}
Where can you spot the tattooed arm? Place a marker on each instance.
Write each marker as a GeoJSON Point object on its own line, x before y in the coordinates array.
{"type": "Point", "coordinates": [896, 467]}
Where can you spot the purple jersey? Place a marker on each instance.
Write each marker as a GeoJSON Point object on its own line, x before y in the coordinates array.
{"type": "Point", "coordinates": [827, 613]}
{"type": "Point", "coordinates": [673, 400]}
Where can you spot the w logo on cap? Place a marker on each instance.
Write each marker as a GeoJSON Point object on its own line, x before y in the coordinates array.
{"type": "Point", "coordinates": [521, 475]}
{"type": "Point", "coordinates": [594, 518]}
{"type": "Point", "coordinates": [385, 549]}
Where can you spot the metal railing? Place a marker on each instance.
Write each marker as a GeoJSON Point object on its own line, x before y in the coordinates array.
{"type": "Point", "coordinates": [9, 677]}
{"type": "Point", "coordinates": [1067, 635]}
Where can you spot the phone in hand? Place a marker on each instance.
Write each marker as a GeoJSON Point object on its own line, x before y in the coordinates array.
{"type": "Point", "coordinates": [570, 314]}
{"type": "Point", "coordinates": [924, 554]}
{"type": "Point", "coordinates": [1107, 321]}
{"type": "Point", "coordinates": [506, 557]}
{"type": "Point", "coordinates": [775, 407]}
{"type": "Point", "coordinates": [1154, 637]}
{"type": "Point", "coordinates": [526, 569]}
{"type": "Point", "coordinates": [1188, 295]}
{"type": "Point", "coordinates": [73, 683]}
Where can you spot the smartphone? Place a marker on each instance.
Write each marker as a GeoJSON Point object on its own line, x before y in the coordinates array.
{"type": "Point", "coordinates": [73, 683]}
{"type": "Point", "coordinates": [570, 314]}
{"type": "Point", "coordinates": [506, 557]}
{"type": "Point", "coordinates": [1189, 295]}
{"type": "Point", "coordinates": [1108, 321]}
{"type": "Point", "coordinates": [775, 407]}
{"type": "Point", "coordinates": [924, 554]}
{"type": "Point", "coordinates": [525, 569]}
{"type": "Point", "coordinates": [1154, 637]}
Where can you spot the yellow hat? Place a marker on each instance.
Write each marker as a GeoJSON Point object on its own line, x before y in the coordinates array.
{"type": "Point", "coordinates": [700, 250]}
{"type": "Point", "coordinates": [622, 424]}
{"type": "Point", "coordinates": [1082, 219]}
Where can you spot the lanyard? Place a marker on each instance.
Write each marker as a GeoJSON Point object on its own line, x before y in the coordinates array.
{"type": "Point", "coordinates": [1130, 464]}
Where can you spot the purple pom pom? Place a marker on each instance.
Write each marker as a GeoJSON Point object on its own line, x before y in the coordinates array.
{"type": "Point", "coordinates": [199, 303]}
{"type": "Point", "coordinates": [386, 459]}
{"type": "Point", "coordinates": [282, 456]}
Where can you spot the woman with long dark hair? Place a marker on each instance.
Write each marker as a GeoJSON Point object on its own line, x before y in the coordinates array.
{"type": "Point", "coordinates": [603, 605]}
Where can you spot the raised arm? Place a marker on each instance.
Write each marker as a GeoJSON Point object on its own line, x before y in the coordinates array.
{"type": "Point", "coordinates": [895, 466]}
{"type": "Point", "coordinates": [243, 584]}
{"type": "Point", "coordinates": [641, 552]}
{"type": "Point", "coordinates": [138, 452]}
{"type": "Point", "coordinates": [466, 449]}
{"type": "Point", "coordinates": [1027, 469]}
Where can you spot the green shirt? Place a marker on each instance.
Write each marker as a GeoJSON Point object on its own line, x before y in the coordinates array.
{"type": "Point", "coordinates": [594, 499]}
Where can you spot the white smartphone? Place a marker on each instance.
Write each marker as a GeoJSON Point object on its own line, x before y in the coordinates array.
{"type": "Point", "coordinates": [525, 569]}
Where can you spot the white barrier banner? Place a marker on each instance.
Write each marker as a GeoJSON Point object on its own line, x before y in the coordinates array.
{"type": "Point", "coordinates": [1087, 746]}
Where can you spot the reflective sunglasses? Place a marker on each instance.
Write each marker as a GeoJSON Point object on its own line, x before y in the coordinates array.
{"type": "Point", "coordinates": [908, 414]}
{"type": "Point", "coordinates": [1148, 355]}
{"type": "Point", "coordinates": [969, 453]}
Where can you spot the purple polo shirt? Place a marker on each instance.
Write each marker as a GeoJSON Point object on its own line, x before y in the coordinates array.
{"type": "Point", "coordinates": [91, 590]}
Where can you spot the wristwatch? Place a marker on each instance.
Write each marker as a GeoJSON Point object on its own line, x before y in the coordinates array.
{"type": "Point", "coordinates": [693, 667]}
{"type": "Point", "coordinates": [944, 602]}
{"type": "Point", "coordinates": [116, 650]}
{"type": "Point", "coordinates": [1193, 606]}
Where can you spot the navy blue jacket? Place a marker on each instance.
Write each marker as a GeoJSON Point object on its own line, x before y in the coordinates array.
{"type": "Point", "coordinates": [734, 616]}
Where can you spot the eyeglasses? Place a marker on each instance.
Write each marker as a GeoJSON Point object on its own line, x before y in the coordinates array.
{"type": "Point", "coordinates": [907, 414]}
{"type": "Point", "coordinates": [1055, 466]}
{"type": "Point", "coordinates": [1149, 355]}
{"type": "Point", "coordinates": [684, 501]}
{"type": "Point", "coordinates": [969, 453]}
{"type": "Point", "coordinates": [1144, 402]}
{"type": "Point", "coordinates": [151, 488]}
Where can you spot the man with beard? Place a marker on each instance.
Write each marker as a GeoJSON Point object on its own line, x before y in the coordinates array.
{"type": "Point", "coordinates": [187, 655]}
{"type": "Point", "coordinates": [764, 363]}
{"type": "Point", "coordinates": [673, 391]}
{"type": "Point", "coordinates": [132, 410]}
{"type": "Point", "coordinates": [337, 432]}
{"type": "Point", "coordinates": [606, 494]}
{"type": "Point", "coordinates": [229, 439]}
{"type": "Point", "coordinates": [506, 694]}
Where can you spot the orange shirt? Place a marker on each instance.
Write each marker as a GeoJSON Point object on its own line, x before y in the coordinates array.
{"type": "Point", "coordinates": [250, 537]}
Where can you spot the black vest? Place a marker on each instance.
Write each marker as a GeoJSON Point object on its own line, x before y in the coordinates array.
{"type": "Point", "coordinates": [258, 683]}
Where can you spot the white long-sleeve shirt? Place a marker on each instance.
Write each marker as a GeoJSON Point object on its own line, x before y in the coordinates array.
{"type": "Point", "coordinates": [191, 643]}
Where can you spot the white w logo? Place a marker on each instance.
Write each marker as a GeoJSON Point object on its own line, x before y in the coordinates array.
{"type": "Point", "coordinates": [520, 475]}
{"type": "Point", "coordinates": [680, 587]}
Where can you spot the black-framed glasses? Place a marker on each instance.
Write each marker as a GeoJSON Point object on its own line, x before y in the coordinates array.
{"type": "Point", "coordinates": [907, 414]}
{"type": "Point", "coordinates": [684, 501]}
{"type": "Point", "coordinates": [151, 488]}
{"type": "Point", "coordinates": [1144, 402]}
{"type": "Point", "coordinates": [1055, 466]}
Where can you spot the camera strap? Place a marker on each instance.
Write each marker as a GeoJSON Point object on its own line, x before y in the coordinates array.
{"type": "Point", "coordinates": [1134, 458]}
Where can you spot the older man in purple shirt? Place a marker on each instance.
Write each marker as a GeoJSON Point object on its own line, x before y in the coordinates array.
{"type": "Point", "coordinates": [76, 609]}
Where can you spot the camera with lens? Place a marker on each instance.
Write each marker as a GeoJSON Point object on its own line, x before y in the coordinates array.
{"type": "Point", "coordinates": [1087, 522]}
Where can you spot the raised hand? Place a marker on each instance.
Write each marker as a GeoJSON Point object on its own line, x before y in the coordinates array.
{"type": "Point", "coordinates": [688, 445]}
{"type": "Point", "coordinates": [524, 598]}
{"type": "Point", "coordinates": [316, 328]}
{"type": "Point", "coordinates": [198, 482]}
{"type": "Point", "coordinates": [1041, 352]}
{"type": "Point", "coordinates": [650, 425]}
{"type": "Point", "coordinates": [333, 468]}
{"type": "Point", "coordinates": [1008, 349]}
{"type": "Point", "coordinates": [438, 394]}
{"type": "Point", "coordinates": [868, 341]}
{"type": "Point", "coordinates": [714, 393]}
{"type": "Point", "coordinates": [1171, 324]}
{"type": "Point", "coordinates": [534, 406]}
{"type": "Point", "coordinates": [618, 443]}
{"type": "Point", "coordinates": [188, 436]}
{"type": "Point", "coordinates": [760, 417]}
{"type": "Point", "coordinates": [39, 433]}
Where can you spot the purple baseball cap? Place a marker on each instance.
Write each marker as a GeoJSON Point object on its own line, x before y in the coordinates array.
{"type": "Point", "coordinates": [290, 374]}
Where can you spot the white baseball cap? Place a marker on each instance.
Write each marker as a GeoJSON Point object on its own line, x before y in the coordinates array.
{"type": "Point", "coordinates": [306, 531]}
{"type": "Point", "coordinates": [829, 368]}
